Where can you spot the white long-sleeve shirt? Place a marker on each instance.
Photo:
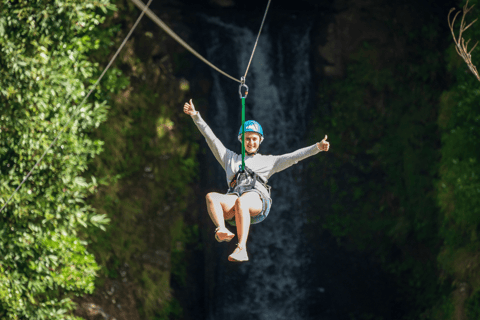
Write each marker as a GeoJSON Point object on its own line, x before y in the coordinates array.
{"type": "Point", "coordinates": [263, 165]}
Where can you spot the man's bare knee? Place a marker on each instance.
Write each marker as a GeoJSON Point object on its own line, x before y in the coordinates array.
{"type": "Point", "coordinates": [249, 202]}
{"type": "Point", "coordinates": [210, 197]}
{"type": "Point", "coordinates": [241, 203]}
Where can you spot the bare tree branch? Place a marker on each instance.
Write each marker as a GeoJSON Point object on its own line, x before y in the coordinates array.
{"type": "Point", "coordinates": [460, 45]}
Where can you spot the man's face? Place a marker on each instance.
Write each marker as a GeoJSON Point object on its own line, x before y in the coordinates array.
{"type": "Point", "coordinates": [252, 142]}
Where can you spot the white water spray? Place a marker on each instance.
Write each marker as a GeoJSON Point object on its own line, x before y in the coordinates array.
{"type": "Point", "coordinates": [271, 283]}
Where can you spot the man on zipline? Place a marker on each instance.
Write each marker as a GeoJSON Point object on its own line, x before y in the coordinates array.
{"type": "Point", "coordinates": [247, 200]}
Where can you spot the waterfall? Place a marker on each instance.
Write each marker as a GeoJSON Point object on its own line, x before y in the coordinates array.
{"type": "Point", "coordinates": [270, 285]}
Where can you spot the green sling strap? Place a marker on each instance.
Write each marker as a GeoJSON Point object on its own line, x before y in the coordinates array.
{"type": "Point", "coordinates": [243, 119]}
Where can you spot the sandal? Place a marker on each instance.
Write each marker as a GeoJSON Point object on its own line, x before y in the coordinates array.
{"type": "Point", "coordinates": [223, 234]}
{"type": "Point", "coordinates": [239, 255]}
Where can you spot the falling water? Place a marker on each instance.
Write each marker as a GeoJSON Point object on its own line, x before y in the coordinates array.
{"type": "Point", "coordinates": [270, 285]}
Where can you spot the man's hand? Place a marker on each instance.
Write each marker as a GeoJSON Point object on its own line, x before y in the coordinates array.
{"type": "Point", "coordinates": [189, 108]}
{"type": "Point", "coordinates": [323, 145]}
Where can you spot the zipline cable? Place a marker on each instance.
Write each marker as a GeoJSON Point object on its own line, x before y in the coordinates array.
{"type": "Point", "coordinates": [242, 167]}
{"type": "Point", "coordinates": [83, 101]}
{"type": "Point", "coordinates": [242, 84]}
{"type": "Point", "coordinates": [162, 25]}
{"type": "Point", "coordinates": [258, 36]}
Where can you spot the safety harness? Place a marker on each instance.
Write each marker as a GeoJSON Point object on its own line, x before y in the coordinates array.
{"type": "Point", "coordinates": [246, 181]}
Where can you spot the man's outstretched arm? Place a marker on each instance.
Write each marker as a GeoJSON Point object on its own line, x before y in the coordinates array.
{"type": "Point", "coordinates": [284, 161]}
{"type": "Point", "coordinates": [217, 147]}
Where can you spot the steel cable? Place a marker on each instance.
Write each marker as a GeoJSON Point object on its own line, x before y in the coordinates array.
{"type": "Point", "coordinates": [162, 25]}
{"type": "Point", "coordinates": [258, 37]}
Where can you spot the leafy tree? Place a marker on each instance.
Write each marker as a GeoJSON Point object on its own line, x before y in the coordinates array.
{"type": "Point", "coordinates": [459, 183]}
{"type": "Point", "coordinates": [382, 119]}
{"type": "Point", "coordinates": [145, 175]}
{"type": "Point", "coordinates": [45, 49]}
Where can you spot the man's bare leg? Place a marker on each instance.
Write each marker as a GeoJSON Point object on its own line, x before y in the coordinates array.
{"type": "Point", "coordinates": [248, 205]}
{"type": "Point", "coordinates": [217, 206]}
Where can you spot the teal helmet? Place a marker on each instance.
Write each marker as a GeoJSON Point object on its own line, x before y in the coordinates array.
{"type": "Point", "coordinates": [251, 126]}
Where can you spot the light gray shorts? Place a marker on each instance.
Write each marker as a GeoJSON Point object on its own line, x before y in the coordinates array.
{"type": "Point", "coordinates": [266, 205]}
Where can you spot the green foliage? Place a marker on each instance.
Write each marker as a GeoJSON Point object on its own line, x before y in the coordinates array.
{"type": "Point", "coordinates": [46, 69]}
{"type": "Point", "coordinates": [459, 182]}
{"type": "Point", "coordinates": [144, 172]}
{"type": "Point", "coordinates": [182, 236]}
{"type": "Point", "coordinates": [473, 306]}
{"type": "Point", "coordinates": [381, 121]}
{"type": "Point", "coordinates": [387, 179]}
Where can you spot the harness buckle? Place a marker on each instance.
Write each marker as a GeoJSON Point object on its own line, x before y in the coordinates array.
{"type": "Point", "coordinates": [255, 178]}
{"type": "Point", "coordinates": [242, 84]}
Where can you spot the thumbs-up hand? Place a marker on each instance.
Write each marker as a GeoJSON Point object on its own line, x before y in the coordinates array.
{"type": "Point", "coordinates": [189, 108]}
{"type": "Point", "coordinates": [323, 145]}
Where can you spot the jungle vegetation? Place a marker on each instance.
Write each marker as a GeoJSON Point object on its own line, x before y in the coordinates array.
{"type": "Point", "coordinates": [403, 177]}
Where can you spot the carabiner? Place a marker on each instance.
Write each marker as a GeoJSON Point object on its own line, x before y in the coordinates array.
{"type": "Point", "coordinates": [240, 88]}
